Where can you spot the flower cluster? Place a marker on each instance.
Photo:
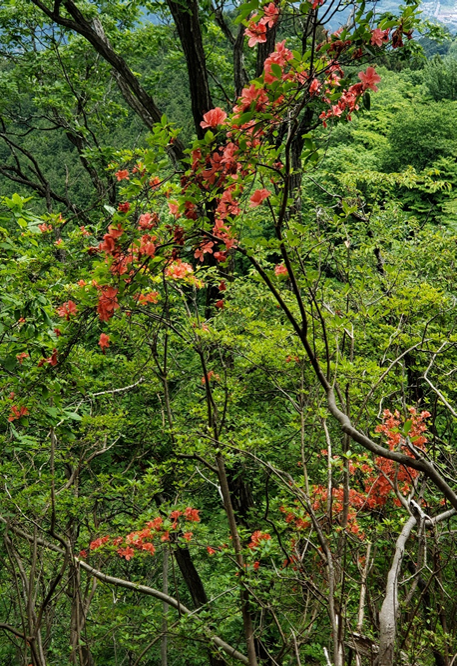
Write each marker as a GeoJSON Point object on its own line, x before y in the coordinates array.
{"type": "Point", "coordinates": [257, 27]}
{"type": "Point", "coordinates": [257, 538]}
{"type": "Point", "coordinates": [51, 360]}
{"type": "Point", "coordinates": [67, 310]}
{"type": "Point", "coordinates": [378, 480]}
{"type": "Point", "coordinates": [142, 540]}
{"type": "Point", "coordinates": [347, 103]}
{"type": "Point", "coordinates": [17, 412]}
{"type": "Point", "coordinates": [223, 177]}
{"type": "Point", "coordinates": [107, 302]}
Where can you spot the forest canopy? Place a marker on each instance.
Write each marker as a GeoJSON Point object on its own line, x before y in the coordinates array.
{"type": "Point", "coordinates": [227, 334]}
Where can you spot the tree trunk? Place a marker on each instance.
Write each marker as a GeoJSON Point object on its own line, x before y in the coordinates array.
{"type": "Point", "coordinates": [163, 646]}
{"type": "Point", "coordinates": [389, 610]}
{"type": "Point", "coordinates": [195, 587]}
{"type": "Point", "coordinates": [188, 25]}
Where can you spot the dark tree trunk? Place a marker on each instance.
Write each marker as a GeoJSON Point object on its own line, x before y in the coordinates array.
{"type": "Point", "coordinates": [264, 50]}
{"type": "Point", "coordinates": [191, 577]}
{"type": "Point", "coordinates": [188, 25]}
{"type": "Point", "coordinates": [195, 587]}
{"type": "Point", "coordinates": [240, 77]}
{"type": "Point", "coordinates": [134, 94]}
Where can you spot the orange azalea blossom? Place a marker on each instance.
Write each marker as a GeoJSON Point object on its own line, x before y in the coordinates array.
{"type": "Point", "coordinates": [209, 376]}
{"type": "Point", "coordinates": [192, 515]}
{"type": "Point", "coordinates": [270, 15]}
{"type": "Point", "coordinates": [206, 247]}
{"type": "Point", "coordinates": [155, 524]}
{"type": "Point", "coordinates": [151, 297]}
{"type": "Point", "coordinates": [147, 246]}
{"type": "Point", "coordinates": [107, 302]}
{"type": "Point", "coordinates": [127, 553]}
{"type": "Point", "coordinates": [258, 197]}
{"type": "Point", "coordinates": [280, 269]}
{"type": "Point", "coordinates": [148, 221]}
{"type": "Point", "coordinates": [173, 208]}
{"type": "Point", "coordinates": [137, 538]}
{"type": "Point", "coordinates": [369, 79]}
{"type": "Point", "coordinates": [214, 118]}
{"type": "Point", "coordinates": [94, 545]}
{"type": "Point", "coordinates": [17, 412]}
{"type": "Point", "coordinates": [104, 342]}
{"type": "Point", "coordinates": [179, 270]}
{"type": "Point", "coordinates": [52, 360]}
{"type": "Point", "coordinates": [257, 33]}
{"type": "Point", "coordinates": [67, 309]}
{"type": "Point", "coordinates": [257, 538]}
{"type": "Point", "coordinates": [379, 37]}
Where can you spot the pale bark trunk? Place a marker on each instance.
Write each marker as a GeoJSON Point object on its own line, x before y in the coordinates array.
{"type": "Point", "coordinates": [389, 610]}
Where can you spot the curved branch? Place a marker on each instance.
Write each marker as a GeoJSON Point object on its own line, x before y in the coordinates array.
{"type": "Point", "coordinates": [143, 104]}
{"type": "Point", "coordinates": [420, 464]}
{"type": "Point", "coordinates": [12, 630]}
{"type": "Point", "coordinates": [136, 587]}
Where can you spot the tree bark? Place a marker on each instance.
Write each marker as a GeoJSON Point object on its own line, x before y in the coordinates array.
{"type": "Point", "coordinates": [389, 610]}
{"type": "Point", "coordinates": [241, 79]}
{"type": "Point", "coordinates": [264, 49]}
{"type": "Point", "coordinates": [163, 645]}
{"type": "Point", "coordinates": [133, 92]}
{"type": "Point", "coordinates": [247, 619]}
{"type": "Point", "coordinates": [189, 31]}
{"type": "Point", "coordinates": [191, 577]}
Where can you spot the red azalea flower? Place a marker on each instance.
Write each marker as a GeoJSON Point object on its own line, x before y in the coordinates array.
{"type": "Point", "coordinates": [17, 412]}
{"type": "Point", "coordinates": [369, 79]}
{"type": "Point", "coordinates": [67, 309]}
{"type": "Point", "coordinates": [104, 342]}
{"type": "Point", "coordinates": [214, 118]}
{"type": "Point", "coordinates": [258, 197]}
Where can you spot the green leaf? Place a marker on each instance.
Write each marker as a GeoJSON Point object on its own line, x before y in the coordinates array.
{"type": "Point", "coordinates": [72, 415]}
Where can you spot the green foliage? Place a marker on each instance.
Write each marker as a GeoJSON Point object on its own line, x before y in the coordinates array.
{"type": "Point", "coordinates": [440, 77]}
{"type": "Point", "coordinates": [101, 439]}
